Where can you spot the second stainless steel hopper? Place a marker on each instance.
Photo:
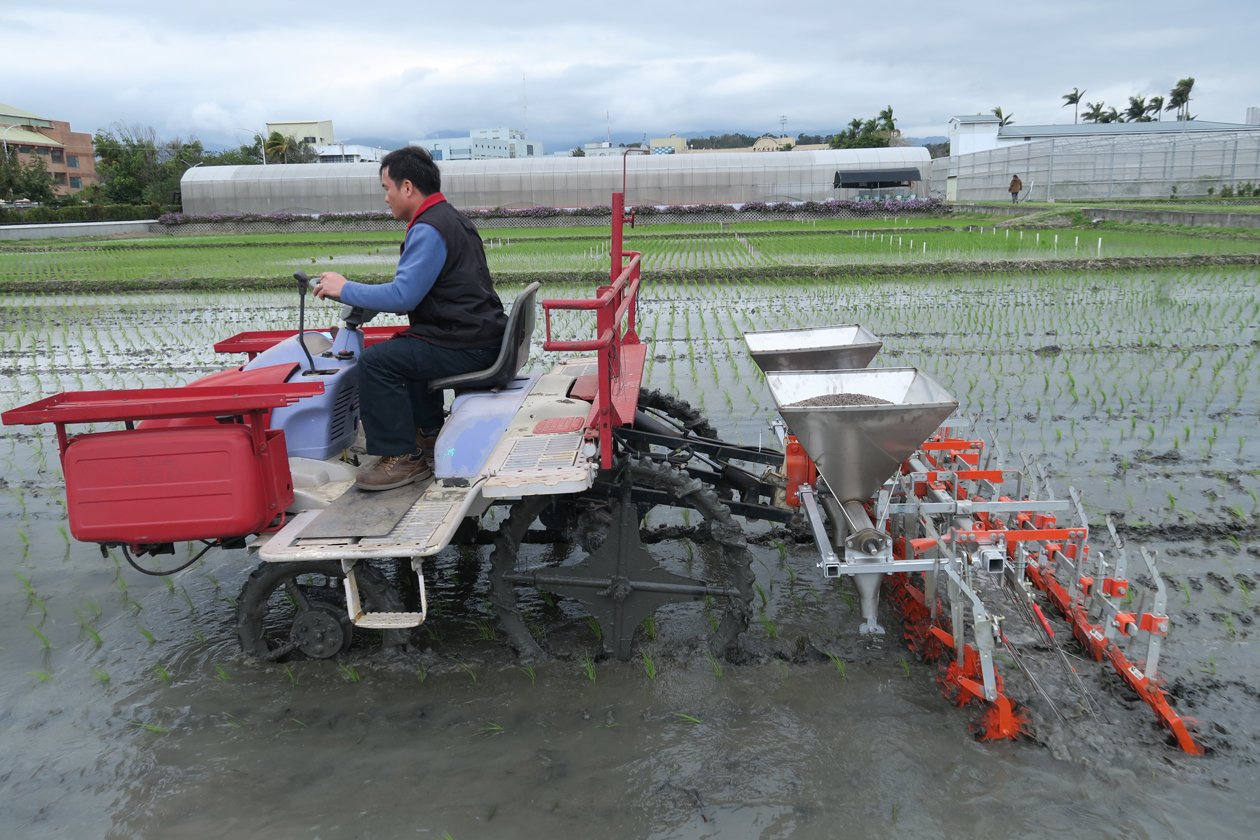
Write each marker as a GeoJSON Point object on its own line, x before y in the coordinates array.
{"type": "Point", "coordinates": [813, 348]}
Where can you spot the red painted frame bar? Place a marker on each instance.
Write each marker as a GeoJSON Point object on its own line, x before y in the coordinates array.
{"type": "Point", "coordinates": [256, 341]}
{"type": "Point", "coordinates": [616, 301]}
{"type": "Point", "coordinates": [161, 403]}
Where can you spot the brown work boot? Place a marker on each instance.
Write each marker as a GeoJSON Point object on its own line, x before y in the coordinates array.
{"type": "Point", "coordinates": [427, 444]}
{"type": "Point", "coordinates": [393, 471]}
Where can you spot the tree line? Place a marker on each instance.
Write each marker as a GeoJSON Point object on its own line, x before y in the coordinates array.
{"type": "Point", "coordinates": [135, 166]}
{"type": "Point", "coordinates": [1139, 108]}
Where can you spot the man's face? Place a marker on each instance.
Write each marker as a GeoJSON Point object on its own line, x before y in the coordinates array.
{"type": "Point", "coordinates": [399, 197]}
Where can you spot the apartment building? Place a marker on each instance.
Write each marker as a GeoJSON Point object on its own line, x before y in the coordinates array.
{"type": "Point", "coordinates": [68, 155]}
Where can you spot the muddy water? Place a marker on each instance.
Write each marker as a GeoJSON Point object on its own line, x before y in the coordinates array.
{"type": "Point", "coordinates": [162, 729]}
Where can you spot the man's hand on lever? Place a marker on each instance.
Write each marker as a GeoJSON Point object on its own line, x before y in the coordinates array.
{"type": "Point", "coordinates": [330, 285]}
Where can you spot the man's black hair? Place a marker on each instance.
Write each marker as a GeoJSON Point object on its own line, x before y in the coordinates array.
{"type": "Point", "coordinates": [414, 164]}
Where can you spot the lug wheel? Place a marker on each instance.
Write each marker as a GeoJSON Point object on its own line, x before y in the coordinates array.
{"type": "Point", "coordinates": [292, 611]}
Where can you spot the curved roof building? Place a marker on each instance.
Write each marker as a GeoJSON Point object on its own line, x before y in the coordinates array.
{"type": "Point", "coordinates": [563, 182]}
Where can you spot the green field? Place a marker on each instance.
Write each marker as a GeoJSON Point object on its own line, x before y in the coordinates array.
{"type": "Point", "coordinates": [550, 250]}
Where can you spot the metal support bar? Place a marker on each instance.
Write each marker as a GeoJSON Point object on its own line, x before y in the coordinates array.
{"type": "Point", "coordinates": [748, 510]}
{"type": "Point", "coordinates": [830, 564]}
{"type": "Point", "coordinates": [714, 448]}
{"type": "Point", "coordinates": [541, 579]}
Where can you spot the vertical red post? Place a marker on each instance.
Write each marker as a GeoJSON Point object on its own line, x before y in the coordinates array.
{"type": "Point", "coordinates": [618, 220]}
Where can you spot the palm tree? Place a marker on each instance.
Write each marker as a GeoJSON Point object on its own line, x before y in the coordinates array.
{"type": "Point", "coordinates": [886, 119]}
{"type": "Point", "coordinates": [1179, 98]}
{"type": "Point", "coordinates": [1155, 106]}
{"type": "Point", "coordinates": [1094, 112]}
{"type": "Point", "coordinates": [1003, 119]}
{"type": "Point", "coordinates": [1073, 99]}
{"type": "Point", "coordinates": [1136, 112]}
{"type": "Point", "coordinates": [279, 147]}
{"type": "Point", "coordinates": [1112, 115]}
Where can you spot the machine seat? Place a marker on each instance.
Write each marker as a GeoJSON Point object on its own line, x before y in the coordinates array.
{"type": "Point", "coordinates": [513, 353]}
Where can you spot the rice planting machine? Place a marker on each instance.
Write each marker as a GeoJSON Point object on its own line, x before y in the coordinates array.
{"type": "Point", "coordinates": [897, 495]}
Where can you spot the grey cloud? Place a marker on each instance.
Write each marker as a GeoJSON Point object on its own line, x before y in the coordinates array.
{"type": "Point", "coordinates": [407, 70]}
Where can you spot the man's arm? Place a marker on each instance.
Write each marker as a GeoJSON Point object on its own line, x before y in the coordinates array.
{"type": "Point", "coordinates": [418, 268]}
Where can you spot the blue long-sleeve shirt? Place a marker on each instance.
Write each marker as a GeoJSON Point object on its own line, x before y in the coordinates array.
{"type": "Point", "coordinates": [418, 267]}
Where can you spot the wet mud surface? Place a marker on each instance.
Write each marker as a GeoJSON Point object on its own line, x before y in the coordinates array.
{"type": "Point", "coordinates": [129, 711]}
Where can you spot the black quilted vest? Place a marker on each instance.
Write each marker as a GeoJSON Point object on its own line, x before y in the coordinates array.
{"type": "Point", "coordinates": [462, 310]}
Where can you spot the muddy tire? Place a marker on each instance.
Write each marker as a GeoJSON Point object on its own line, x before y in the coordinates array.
{"type": "Point", "coordinates": [270, 604]}
{"type": "Point", "coordinates": [680, 413]}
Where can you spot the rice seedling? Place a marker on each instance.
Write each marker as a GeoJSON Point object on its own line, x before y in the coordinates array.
{"type": "Point", "coordinates": [528, 671]}
{"type": "Point", "coordinates": [839, 663]}
{"type": "Point", "coordinates": [101, 675]}
{"type": "Point", "coordinates": [42, 676]}
{"type": "Point", "coordinates": [588, 665]}
{"type": "Point", "coordinates": [298, 728]}
{"type": "Point", "coordinates": [149, 637]}
{"type": "Point", "coordinates": [905, 666]}
{"type": "Point", "coordinates": [349, 673]}
{"type": "Point", "coordinates": [687, 718]}
{"type": "Point", "coordinates": [467, 669]}
{"type": "Point", "coordinates": [715, 664]}
{"type": "Point", "coordinates": [220, 674]}
{"type": "Point", "coordinates": [649, 666]}
{"type": "Point", "coordinates": [150, 727]}
{"type": "Point", "coordinates": [43, 640]}
{"type": "Point", "coordinates": [163, 674]}
{"type": "Point", "coordinates": [91, 631]}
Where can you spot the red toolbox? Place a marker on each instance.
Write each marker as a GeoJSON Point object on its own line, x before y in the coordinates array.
{"type": "Point", "coordinates": [165, 485]}
{"type": "Point", "coordinates": [171, 485]}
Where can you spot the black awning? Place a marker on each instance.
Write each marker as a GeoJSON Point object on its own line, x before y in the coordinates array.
{"type": "Point", "coordinates": [866, 179]}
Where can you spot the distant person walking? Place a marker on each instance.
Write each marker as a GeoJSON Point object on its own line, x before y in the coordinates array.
{"type": "Point", "coordinates": [1014, 188]}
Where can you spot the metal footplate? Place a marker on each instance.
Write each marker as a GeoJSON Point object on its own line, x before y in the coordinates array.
{"type": "Point", "coordinates": [382, 620]}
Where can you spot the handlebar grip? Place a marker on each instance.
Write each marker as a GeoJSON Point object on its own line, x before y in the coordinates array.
{"type": "Point", "coordinates": [302, 275]}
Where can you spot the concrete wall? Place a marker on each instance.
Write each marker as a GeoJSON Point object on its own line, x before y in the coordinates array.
{"type": "Point", "coordinates": [1140, 217]}
{"type": "Point", "coordinates": [1174, 217]}
{"type": "Point", "coordinates": [71, 229]}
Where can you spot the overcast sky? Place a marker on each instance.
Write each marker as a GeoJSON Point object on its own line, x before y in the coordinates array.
{"type": "Point", "coordinates": [405, 70]}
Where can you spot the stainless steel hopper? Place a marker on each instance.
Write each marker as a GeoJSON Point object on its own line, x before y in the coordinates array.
{"type": "Point", "coordinates": [813, 348]}
{"type": "Point", "coordinates": [857, 447]}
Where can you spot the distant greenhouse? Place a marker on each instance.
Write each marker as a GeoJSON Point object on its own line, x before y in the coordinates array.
{"type": "Point", "coordinates": [570, 182]}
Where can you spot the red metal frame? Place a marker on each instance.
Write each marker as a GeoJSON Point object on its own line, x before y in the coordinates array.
{"type": "Point", "coordinates": [621, 354]}
{"type": "Point", "coordinates": [256, 341]}
{"type": "Point", "coordinates": [254, 401]}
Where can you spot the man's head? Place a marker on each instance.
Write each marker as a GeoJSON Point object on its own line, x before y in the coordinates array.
{"type": "Point", "coordinates": [409, 176]}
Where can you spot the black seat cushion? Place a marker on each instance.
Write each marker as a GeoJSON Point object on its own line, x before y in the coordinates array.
{"type": "Point", "coordinates": [513, 353]}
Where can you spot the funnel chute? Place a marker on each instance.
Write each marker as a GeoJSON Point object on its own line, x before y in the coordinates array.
{"type": "Point", "coordinates": [857, 447]}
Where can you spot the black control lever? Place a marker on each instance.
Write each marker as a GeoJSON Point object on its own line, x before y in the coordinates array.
{"type": "Point", "coordinates": [303, 281]}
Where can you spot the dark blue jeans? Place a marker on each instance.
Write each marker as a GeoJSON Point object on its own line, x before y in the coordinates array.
{"type": "Point", "coordinates": [394, 398]}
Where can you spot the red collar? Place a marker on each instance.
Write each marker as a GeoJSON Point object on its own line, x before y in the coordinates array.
{"type": "Point", "coordinates": [436, 198]}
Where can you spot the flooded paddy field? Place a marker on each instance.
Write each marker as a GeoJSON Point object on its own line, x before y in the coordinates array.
{"type": "Point", "coordinates": [128, 710]}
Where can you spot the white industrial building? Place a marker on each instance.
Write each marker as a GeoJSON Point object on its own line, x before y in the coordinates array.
{"type": "Point", "coordinates": [350, 153]}
{"type": "Point", "coordinates": [315, 132]}
{"type": "Point", "coordinates": [570, 182]}
{"type": "Point", "coordinates": [1091, 162]}
{"type": "Point", "coordinates": [980, 133]}
{"type": "Point", "coordinates": [483, 144]}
